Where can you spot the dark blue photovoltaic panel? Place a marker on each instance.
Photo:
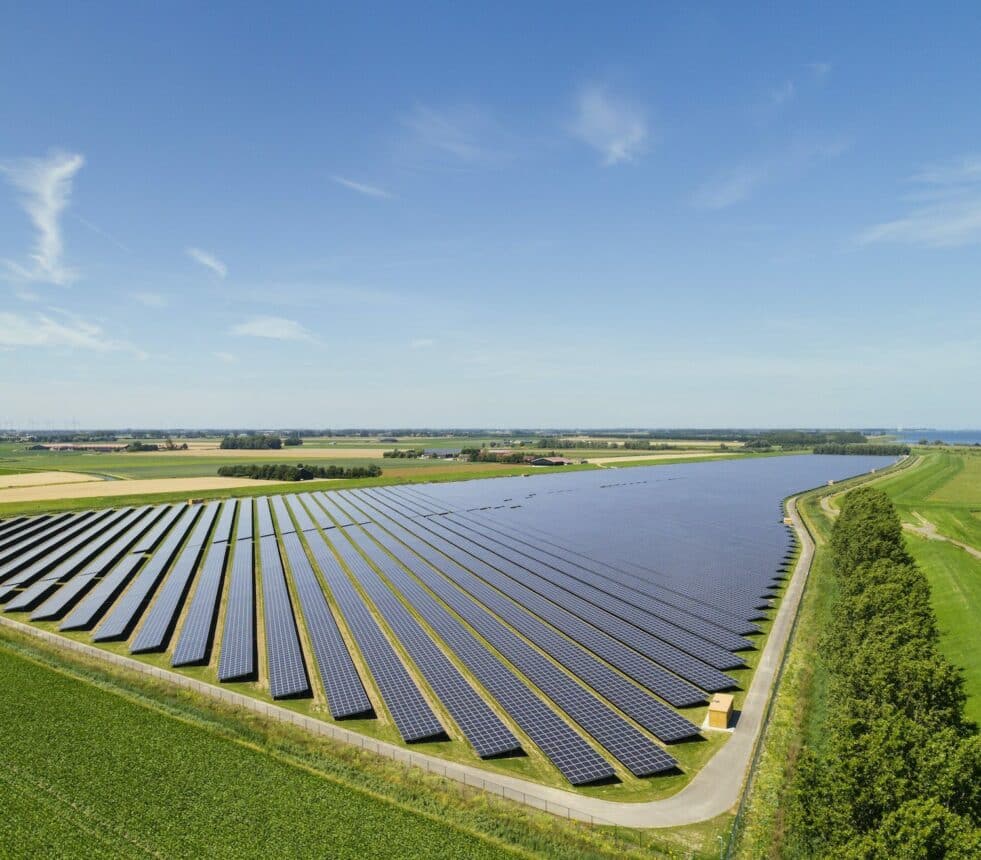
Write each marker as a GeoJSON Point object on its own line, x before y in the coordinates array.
{"type": "Point", "coordinates": [318, 514]}
{"type": "Point", "coordinates": [651, 714]}
{"type": "Point", "coordinates": [124, 615]}
{"type": "Point", "coordinates": [326, 501]}
{"type": "Point", "coordinates": [69, 593]}
{"type": "Point", "coordinates": [38, 581]}
{"type": "Point", "coordinates": [243, 525]}
{"type": "Point", "coordinates": [238, 645]}
{"type": "Point", "coordinates": [282, 515]}
{"type": "Point", "coordinates": [346, 696]}
{"type": "Point", "coordinates": [159, 623]}
{"type": "Point", "coordinates": [411, 713]}
{"type": "Point", "coordinates": [264, 516]}
{"type": "Point", "coordinates": [287, 672]}
{"type": "Point", "coordinates": [690, 668]}
{"type": "Point", "coordinates": [28, 566]}
{"type": "Point", "coordinates": [195, 637]}
{"type": "Point", "coordinates": [32, 532]}
{"type": "Point", "coordinates": [574, 758]}
{"type": "Point", "coordinates": [476, 720]}
{"type": "Point", "coordinates": [223, 528]}
{"type": "Point", "coordinates": [304, 522]}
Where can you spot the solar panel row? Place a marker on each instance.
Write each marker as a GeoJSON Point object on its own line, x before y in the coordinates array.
{"type": "Point", "coordinates": [641, 755]}
{"type": "Point", "coordinates": [476, 720]}
{"type": "Point", "coordinates": [287, 672]}
{"type": "Point", "coordinates": [410, 712]}
{"type": "Point", "coordinates": [237, 659]}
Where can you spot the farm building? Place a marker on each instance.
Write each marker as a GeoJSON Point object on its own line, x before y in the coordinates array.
{"type": "Point", "coordinates": [550, 461]}
{"type": "Point", "coordinates": [442, 453]}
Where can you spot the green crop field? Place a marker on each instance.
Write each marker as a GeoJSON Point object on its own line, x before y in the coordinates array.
{"type": "Point", "coordinates": [99, 762]}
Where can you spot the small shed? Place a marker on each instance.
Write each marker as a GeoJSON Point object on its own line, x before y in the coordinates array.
{"type": "Point", "coordinates": [720, 711]}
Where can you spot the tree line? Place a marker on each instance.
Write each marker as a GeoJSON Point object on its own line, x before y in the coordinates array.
{"type": "Point", "coordinates": [896, 767]}
{"type": "Point", "coordinates": [867, 448]}
{"type": "Point", "coordinates": [252, 441]}
{"type": "Point", "coordinates": [296, 472]}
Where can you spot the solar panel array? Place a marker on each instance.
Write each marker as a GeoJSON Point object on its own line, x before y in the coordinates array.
{"type": "Point", "coordinates": [577, 613]}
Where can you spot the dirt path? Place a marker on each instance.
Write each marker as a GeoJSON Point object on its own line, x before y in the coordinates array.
{"type": "Point", "coordinates": [928, 530]}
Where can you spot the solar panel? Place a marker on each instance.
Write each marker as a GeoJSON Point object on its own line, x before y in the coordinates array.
{"type": "Point", "coordinates": [346, 696]}
{"type": "Point", "coordinates": [31, 532]}
{"type": "Point", "coordinates": [243, 525]}
{"type": "Point", "coordinates": [89, 610]}
{"type": "Point", "coordinates": [68, 594]}
{"type": "Point", "coordinates": [41, 578]}
{"type": "Point", "coordinates": [265, 518]}
{"type": "Point", "coordinates": [572, 755]}
{"type": "Point", "coordinates": [476, 720]}
{"type": "Point", "coordinates": [410, 712]}
{"type": "Point", "coordinates": [690, 668]}
{"type": "Point", "coordinates": [195, 637]}
{"type": "Point", "coordinates": [651, 714]}
{"type": "Point", "coordinates": [238, 645]}
{"type": "Point", "coordinates": [287, 672]}
{"type": "Point", "coordinates": [303, 520]}
{"type": "Point", "coordinates": [47, 554]}
{"type": "Point", "coordinates": [122, 618]}
{"type": "Point", "coordinates": [282, 515]}
{"type": "Point", "coordinates": [223, 528]}
{"type": "Point", "coordinates": [160, 620]}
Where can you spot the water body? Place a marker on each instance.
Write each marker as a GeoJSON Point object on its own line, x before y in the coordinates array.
{"type": "Point", "coordinates": [949, 437]}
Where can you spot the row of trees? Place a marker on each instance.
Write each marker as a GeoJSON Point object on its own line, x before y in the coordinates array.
{"type": "Point", "coordinates": [252, 441]}
{"type": "Point", "coordinates": [896, 769]}
{"type": "Point", "coordinates": [403, 453]}
{"type": "Point", "coordinates": [296, 472]}
{"type": "Point", "coordinates": [868, 448]}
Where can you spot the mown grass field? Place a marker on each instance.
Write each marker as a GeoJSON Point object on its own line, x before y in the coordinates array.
{"type": "Point", "coordinates": [100, 762]}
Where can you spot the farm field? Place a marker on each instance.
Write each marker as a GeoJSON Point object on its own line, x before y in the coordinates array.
{"type": "Point", "coordinates": [92, 488]}
{"type": "Point", "coordinates": [102, 775]}
{"type": "Point", "coordinates": [375, 554]}
{"type": "Point", "coordinates": [40, 479]}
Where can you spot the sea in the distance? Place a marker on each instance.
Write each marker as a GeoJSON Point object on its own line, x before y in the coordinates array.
{"type": "Point", "coordinates": [949, 437]}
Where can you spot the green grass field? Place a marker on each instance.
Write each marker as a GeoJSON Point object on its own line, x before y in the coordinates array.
{"type": "Point", "coordinates": [101, 762]}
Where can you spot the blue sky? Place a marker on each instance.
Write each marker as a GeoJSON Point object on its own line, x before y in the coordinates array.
{"type": "Point", "coordinates": [531, 215]}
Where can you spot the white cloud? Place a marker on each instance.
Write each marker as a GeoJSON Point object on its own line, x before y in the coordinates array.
{"type": "Point", "coordinates": [47, 330]}
{"type": "Point", "coordinates": [362, 188]}
{"type": "Point", "coordinates": [820, 71]}
{"type": "Point", "coordinates": [733, 186]}
{"type": "Point", "coordinates": [150, 300]}
{"type": "Point", "coordinates": [422, 343]}
{"type": "Point", "coordinates": [275, 328]}
{"type": "Point", "coordinates": [465, 133]}
{"type": "Point", "coordinates": [782, 94]}
{"type": "Point", "coordinates": [209, 261]}
{"type": "Point", "coordinates": [46, 186]}
{"type": "Point", "coordinates": [225, 357]}
{"type": "Point", "coordinates": [614, 126]}
{"type": "Point", "coordinates": [947, 210]}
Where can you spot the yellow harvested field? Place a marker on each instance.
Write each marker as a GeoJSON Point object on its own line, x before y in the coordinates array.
{"type": "Point", "coordinates": [300, 453]}
{"type": "Point", "coordinates": [100, 489]}
{"type": "Point", "coordinates": [38, 479]}
{"type": "Point", "coordinates": [673, 455]}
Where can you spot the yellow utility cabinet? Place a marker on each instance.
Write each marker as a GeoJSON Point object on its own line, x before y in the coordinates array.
{"type": "Point", "coordinates": [720, 711]}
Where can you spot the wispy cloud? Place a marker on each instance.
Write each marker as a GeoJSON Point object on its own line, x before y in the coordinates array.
{"type": "Point", "coordinates": [95, 228]}
{"type": "Point", "coordinates": [58, 329]}
{"type": "Point", "coordinates": [946, 210]}
{"type": "Point", "coordinates": [464, 133]}
{"type": "Point", "coordinates": [208, 260]}
{"type": "Point", "coordinates": [150, 300]}
{"type": "Point", "coordinates": [612, 125]}
{"type": "Point", "coordinates": [422, 343]}
{"type": "Point", "coordinates": [46, 187]}
{"type": "Point", "coordinates": [275, 328]}
{"type": "Point", "coordinates": [784, 93]}
{"type": "Point", "coordinates": [362, 188]}
{"type": "Point", "coordinates": [225, 357]}
{"type": "Point", "coordinates": [820, 71]}
{"type": "Point", "coordinates": [732, 186]}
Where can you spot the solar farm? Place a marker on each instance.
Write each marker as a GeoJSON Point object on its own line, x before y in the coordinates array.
{"type": "Point", "coordinates": [584, 618]}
